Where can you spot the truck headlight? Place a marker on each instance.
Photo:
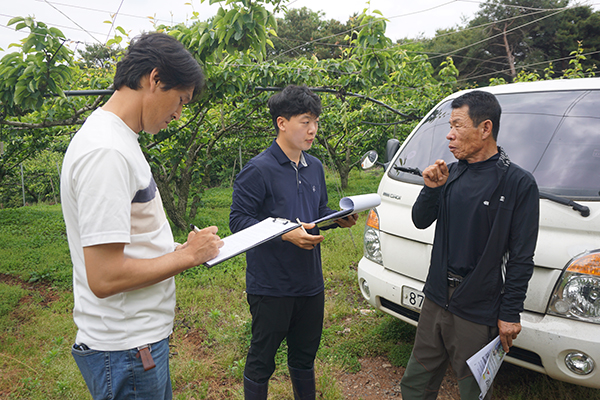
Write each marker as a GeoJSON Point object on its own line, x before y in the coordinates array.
{"type": "Point", "coordinates": [577, 293]}
{"type": "Point", "coordinates": [372, 245]}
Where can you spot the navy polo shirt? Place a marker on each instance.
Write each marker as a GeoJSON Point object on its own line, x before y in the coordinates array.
{"type": "Point", "coordinates": [271, 185]}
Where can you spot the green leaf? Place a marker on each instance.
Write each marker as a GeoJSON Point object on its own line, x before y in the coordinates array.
{"type": "Point", "coordinates": [236, 15]}
{"type": "Point", "coordinates": [32, 86]}
{"type": "Point", "coordinates": [28, 70]}
{"type": "Point", "coordinates": [20, 93]}
{"type": "Point", "coordinates": [15, 20]}
{"type": "Point", "coordinates": [264, 14]}
{"type": "Point", "coordinates": [203, 39]}
{"type": "Point", "coordinates": [230, 16]}
{"type": "Point", "coordinates": [59, 92]}
{"type": "Point", "coordinates": [56, 32]}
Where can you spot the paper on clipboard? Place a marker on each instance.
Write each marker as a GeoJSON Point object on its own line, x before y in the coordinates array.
{"type": "Point", "coordinates": [485, 364]}
{"type": "Point", "coordinates": [350, 205]}
{"type": "Point", "coordinates": [250, 237]}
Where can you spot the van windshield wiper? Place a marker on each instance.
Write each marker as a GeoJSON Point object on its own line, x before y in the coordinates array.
{"type": "Point", "coordinates": [410, 170]}
{"type": "Point", "coordinates": [583, 210]}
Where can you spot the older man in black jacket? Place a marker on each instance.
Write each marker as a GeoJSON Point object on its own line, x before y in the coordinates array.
{"type": "Point", "coordinates": [487, 212]}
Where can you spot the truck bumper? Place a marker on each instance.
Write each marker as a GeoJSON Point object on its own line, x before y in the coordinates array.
{"type": "Point", "coordinates": [543, 344]}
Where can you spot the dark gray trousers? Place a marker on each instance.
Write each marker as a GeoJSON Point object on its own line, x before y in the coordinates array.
{"type": "Point", "coordinates": [443, 338]}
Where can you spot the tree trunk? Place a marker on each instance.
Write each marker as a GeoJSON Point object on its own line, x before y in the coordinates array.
{"type": "Point", "coordinates": [175, 181]}
{"type": "Point", "coordinates": [169, 203]}
{"type": "Point", "coordinates": [342, 167]}
{"type": "Point", "coordinates": [344, 173]}
{"type": "Point", "coordinates": [509, 55]}
{"type": "Point", "coordinates": [175, 188]}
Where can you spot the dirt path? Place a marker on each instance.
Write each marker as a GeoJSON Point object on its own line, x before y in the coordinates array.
{"type": "Point", "coordinates": [379, 380]}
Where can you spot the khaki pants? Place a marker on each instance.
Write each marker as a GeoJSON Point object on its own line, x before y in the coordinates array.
{"type": "Point", "coordinates": [443, 338]}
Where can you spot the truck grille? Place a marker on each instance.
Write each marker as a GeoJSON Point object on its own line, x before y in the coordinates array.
{"type": "Point", "coordinates": [397, 308]}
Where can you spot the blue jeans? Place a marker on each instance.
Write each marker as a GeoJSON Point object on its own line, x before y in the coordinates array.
{"type": "Point", "coordinates": [121, 375]}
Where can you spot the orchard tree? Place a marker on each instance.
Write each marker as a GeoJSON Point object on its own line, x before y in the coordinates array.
{"type": "Point", "coordinates": [506, 36]}
{"type": "Point", "coordinates": [35, 110]}
{"type": "Point", "coordinates": [181, 157]}
{"type": "Point", "coordinates": [40, 68]}
{"type": "Point", "coordinates": [98, 55]}
{"type": "Point", "coordinates": [379, 87]}
{"type": "Point", "coordinates": [304, 33]}
{"type": "Point", "coordinates": [512, 27]}
{"type": "Point", "coordinates": [34, 113]}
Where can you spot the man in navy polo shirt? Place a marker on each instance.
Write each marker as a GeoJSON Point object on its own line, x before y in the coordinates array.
{"type": "Point", "coordinates": [284, 279]}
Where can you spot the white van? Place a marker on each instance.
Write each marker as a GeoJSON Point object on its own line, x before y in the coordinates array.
{"type": "Point", "coordinates": [552, 129]}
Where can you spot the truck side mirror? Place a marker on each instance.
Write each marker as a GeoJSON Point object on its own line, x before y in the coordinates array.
{"type": "Point", "coordinates": [391, 148]}
{"type": "Point", "coordinates": [369, 159]}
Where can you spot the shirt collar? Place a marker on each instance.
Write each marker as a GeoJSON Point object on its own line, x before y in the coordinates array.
{"type": "Point", "coordinates": [282, 158]}
{"type": "Point", "coordinates": [303, 160]}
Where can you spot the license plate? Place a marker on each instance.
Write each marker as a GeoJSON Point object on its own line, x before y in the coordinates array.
{"type": "Point", "coordinates": [412, 298]}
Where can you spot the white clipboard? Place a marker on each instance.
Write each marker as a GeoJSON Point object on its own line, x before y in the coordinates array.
{"type": "Point", "coordinates": [252, 236]}
{"type": "Point", "coordinates": [272, 227]}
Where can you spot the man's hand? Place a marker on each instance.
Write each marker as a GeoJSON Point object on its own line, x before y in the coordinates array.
{"type": "Point", "coordinates": [348, 221]}
{"type": "Point", "coordinates": [302, 239]}
{"type": "Point", "coordinates": [203, 245]}
{"type": "Point", "coordinates": [508, 331]}
{"type": "Point", "coordinates": [436, 174]}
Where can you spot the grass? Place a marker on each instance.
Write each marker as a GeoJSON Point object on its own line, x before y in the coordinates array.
{"type": "Point", "coordinates": [212, 324]}
{"type": "Point", "coordinates": [33, 245]}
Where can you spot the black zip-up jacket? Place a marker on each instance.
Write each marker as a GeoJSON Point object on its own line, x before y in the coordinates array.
{"type": "Point", "coordinates": [496, 287]}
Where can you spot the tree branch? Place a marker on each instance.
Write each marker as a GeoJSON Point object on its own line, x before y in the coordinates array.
{"type": "Point", "coordinates": [45, 124]}
{"type": "Point", "coordinates": [344, 93]}
{"type": "Point", "coordinates": [72, 120]}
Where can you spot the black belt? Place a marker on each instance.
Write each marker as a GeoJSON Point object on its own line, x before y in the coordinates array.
{"type": "Point", "coordinates": [453, 281]}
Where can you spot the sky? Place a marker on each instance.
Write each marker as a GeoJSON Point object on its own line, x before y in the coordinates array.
{"type": "Point", "coordinates": [83, 21]}
{"type": "Point", "coordinates": [75, 17]}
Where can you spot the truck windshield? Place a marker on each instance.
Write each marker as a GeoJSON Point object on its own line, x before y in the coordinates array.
{"type": "Point", "coordinates": [554, 135]}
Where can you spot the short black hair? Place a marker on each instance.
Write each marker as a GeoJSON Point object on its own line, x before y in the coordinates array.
{"type": "Point", "coordinates": [482, 106]}
{"type": "Point", "coordinates": [293, 100]}
{"type": "Point", "coordinates": [175, 65]}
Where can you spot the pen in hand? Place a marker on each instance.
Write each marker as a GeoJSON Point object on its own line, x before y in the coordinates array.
{"type": "Point", "coordinates": [301, 226]}
{"type": "Point", "coordinates": [194, 228]}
